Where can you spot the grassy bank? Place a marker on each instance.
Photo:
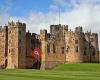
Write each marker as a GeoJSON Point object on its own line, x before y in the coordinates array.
{"type": "Point", "coordinates": [62, 72]}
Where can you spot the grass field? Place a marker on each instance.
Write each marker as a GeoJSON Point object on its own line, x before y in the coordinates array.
{"type": "Point", "coordinates": [63, 72]}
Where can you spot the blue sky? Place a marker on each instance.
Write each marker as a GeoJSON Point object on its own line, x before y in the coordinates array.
{"type": "Point", "coordinates": [23, 7]}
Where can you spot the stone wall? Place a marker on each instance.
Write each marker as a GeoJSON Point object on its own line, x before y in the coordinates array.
{"type": "Point", "coordinates": [3, 55]}
{"type": "Point", "coordinates": [74, 46]}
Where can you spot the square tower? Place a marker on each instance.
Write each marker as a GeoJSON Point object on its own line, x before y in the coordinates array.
{"type": "Point", "coordinates": [16, 45]}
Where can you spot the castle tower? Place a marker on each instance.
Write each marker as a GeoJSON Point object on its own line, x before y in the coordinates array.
{"type": "Point", "coordinates": [94, 47]}
{"type": "Point", "coordinates": [3, 44]}
{"type": "Point", "coordinates": [91, 47]}
{"type": "Point", "coordinates": [16, 45]}
{"type": "Point", "coordinates": [78, 29]}
{"type": "Point", "coordinates": [43, 36]}
{"type": "Point", "coordinates": [58, 31]}
{"type": "Point", "coordinates": [87, 56]}
{"type": "Point", "coordinates": [74, 45]}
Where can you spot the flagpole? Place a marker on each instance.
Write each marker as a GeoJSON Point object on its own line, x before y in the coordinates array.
{"type": "Point", "coordinates": [59, 15]}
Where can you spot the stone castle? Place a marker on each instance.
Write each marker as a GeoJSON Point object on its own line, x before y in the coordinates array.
{"type": "Point", "coordinates": [60, 46]}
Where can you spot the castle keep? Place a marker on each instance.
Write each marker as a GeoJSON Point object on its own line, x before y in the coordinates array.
{"type": "Point", "coordinates": [60, 46]}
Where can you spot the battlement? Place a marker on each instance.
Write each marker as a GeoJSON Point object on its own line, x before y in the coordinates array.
{"type": "Point", "coordinates": [55, 28]}
{"type": "Point", "coordinates": [94, 34]}
{"type": "Point", "coordinates": [88, 33]}
{"type": "Point", "coordinates": [70, 32]}
{"type": "Point", "coordinates": [65, 27]}
{"type": "Point", "coordinates": [2, 28]}
{"type": "Point", "coordinates": [32, 35]}
{"type": "Point", "coordinates": [28, 33]}
{"type": "Point", "coordinates": [91, 34]}
{"type": "Point", "coordinates": [16, 24]}
{"type": "Point", "coordinates": [43, 31]}
{"type": "Point", "coordinates": [79, 29]}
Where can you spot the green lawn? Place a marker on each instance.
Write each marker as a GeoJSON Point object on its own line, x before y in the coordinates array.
{"type": "Point", "coordinates": [63, 72]}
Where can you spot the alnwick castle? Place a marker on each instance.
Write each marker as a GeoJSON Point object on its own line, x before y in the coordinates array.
{"type": "Point", "coordinates": [60, 46]}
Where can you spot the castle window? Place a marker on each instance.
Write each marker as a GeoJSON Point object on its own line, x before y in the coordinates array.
{"type": "Point", "coordinates": [62, 49]}
{"type": "Point", "coordinates": [85, 53]}
{"type": "Point", "coordinates": [54, 48]}
{"type": "Point", "coordinates": [48, 48]}
{"type": "Point", "coordinates": [76, 41]}
{"type": "Point", "coordinates": [76, 48]}
{"type": "Point", "coordinates": [6, 62]}
{"type": "Point", "coordinates": [93, 54]}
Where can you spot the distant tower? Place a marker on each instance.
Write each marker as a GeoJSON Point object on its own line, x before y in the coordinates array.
{"type": "Point", "coordinates": [74, 45]}
{"type": "Point", "coordinates": [78, 29]}
{"type": "Point", "coordinates": [43, 36]}
{"type": "Point", "coordinates": [16, 45]}
{"type": "Point", "coordinates": [87, 50]}
{"type": "Point", "coordinates": [58, 30]}
{"type": "Point", "coordinates": [95, 47]}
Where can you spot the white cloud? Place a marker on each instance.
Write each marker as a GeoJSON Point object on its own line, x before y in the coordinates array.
{"type": "Point", "coordinates": [84, 13]}
{"type": "Point", "coordinates": [37, 20]}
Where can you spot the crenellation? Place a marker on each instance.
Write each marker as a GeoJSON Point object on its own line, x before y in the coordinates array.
{"type": "Point", "coordinates": [94, 34]}
{"type": "Point", "coordinates": [78, 29]}
{"type": "Point", "coordinates": [17, 24]}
